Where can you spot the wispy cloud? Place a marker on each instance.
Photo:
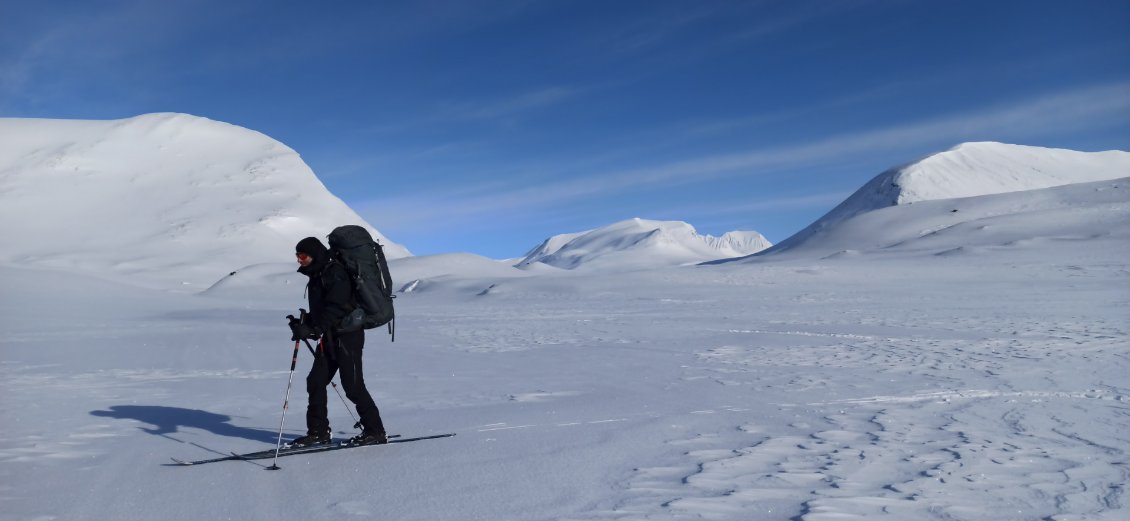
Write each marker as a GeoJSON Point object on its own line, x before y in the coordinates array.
{"type": "Point", "coordinates": [57, 57]}
{"type": "Point", "coordinates": [1063, 112]}
{"type": "Point", "coordinates": [630, 37]}
{"type": "Point", "coordinates": [134, 49]}
{"type": "Point", "coordinates": [18, 71]}
{"type": "Point", "coordinates": [499, 108]}
{"type": "Point", "coordinates": [817, 201]}
{"type": "Point", "coordinates": [1091, 107]}
{"type": "Point", "coordinates": [661, 38]}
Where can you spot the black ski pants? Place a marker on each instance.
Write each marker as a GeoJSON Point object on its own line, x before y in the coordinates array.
{"type": "Point", "coordinates": [344, 356]}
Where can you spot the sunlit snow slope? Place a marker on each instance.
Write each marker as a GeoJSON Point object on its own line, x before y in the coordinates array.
{"type": "Point", "coordinates": [159, 200]}
{"type": "Point", "coordinates": [966, 184]}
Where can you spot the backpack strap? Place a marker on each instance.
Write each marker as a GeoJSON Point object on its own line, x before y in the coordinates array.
{"type": "Point", "coordinates": [386, 281]}
{"type": "Point", "coordinates": [385, 275]}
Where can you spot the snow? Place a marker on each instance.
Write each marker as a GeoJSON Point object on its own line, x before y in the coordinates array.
{"type": "Point", "coordinates": [169, 201]}
{"type": "Point", "coordinates": [641, 243]}
{"type": "Point", "coordinates": [967, 170]}
{"type": "Point", "coordinates": [1062, 215]}
{"type": "Point", "coordinates": [910, 362]}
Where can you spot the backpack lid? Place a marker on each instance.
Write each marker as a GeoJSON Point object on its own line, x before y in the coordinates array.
{"type": "Point", "coordinates": [350, 236]}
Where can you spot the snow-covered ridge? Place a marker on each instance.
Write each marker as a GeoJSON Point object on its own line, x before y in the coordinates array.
{"type": "Point", "coordinates": [163, 200]}
{"type": "Point", "coordinates": [1076, 216]}
{"type": "Point", "coordinates": [986, 168]}
{"type": "Point", "coordinates": [638, 243]}
{"type": "Point", "coordinates": [968, 170]}
{"type": "Point", "coordinates": [549, 247]}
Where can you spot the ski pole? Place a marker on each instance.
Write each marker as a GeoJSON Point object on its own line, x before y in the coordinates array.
{"type": "Point", "coordinates": [356, 422]}
{"type": "Point", "coordinates": [286, 402]}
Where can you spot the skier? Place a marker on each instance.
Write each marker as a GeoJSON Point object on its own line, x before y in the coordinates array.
{"type": "Point", "coordinates": [330, 295]}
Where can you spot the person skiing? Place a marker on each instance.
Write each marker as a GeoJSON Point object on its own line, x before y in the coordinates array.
{"type": "Point", "coordinates": [330, 294]}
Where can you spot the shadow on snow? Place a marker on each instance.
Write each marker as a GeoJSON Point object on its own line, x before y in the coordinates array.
{"type": "Point", "coordinates": [168, 420]}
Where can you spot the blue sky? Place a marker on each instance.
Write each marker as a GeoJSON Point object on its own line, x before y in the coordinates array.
{"type": "Point", "coordinates": [487, 126]}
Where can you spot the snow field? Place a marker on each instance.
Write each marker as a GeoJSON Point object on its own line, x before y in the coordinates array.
{"type": "Point", "coordinates": [858, 388]}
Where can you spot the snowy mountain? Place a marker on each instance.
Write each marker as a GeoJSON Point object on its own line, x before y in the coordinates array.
{"type": "Point", "coordinates": [970, 170]}
{"type": "Point", "coordinates": [964, 364]}
{"type": "Point", "coordinates": [640, 243]}
{"type": "Point", "coordinates": [161, 200]}
{"type": "Point", "coordinates": [1073, 216]}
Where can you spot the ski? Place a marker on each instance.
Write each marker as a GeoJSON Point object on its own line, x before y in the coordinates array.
{"type": "Point", "coordinates": [270, 453]}
{"type": "Point", "coordinates": [327, 448]}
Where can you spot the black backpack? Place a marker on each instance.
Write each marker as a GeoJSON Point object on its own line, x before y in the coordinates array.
{"type": "Point", "coordinates": [364, 260]}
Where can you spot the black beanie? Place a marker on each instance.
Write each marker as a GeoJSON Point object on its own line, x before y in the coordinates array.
{"type": "Point", "coordinates": [311, 246]}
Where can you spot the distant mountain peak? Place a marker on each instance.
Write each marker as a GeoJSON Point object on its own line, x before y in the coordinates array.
{"type": "Point", "coordinates": [639, 243]}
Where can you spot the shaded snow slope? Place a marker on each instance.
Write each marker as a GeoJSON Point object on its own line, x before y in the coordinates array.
{"type": "Point", "coordinates": [641, 243]}
{"type": "Point", "coordinates": [967, 170]}
{"type": "Point", "coordinates": [549, 247]}
{"type": "Point", "coordinates": [161, 200]}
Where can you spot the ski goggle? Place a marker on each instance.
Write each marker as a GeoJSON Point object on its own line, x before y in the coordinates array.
{"type": "Point", "coordinates": [302, 256]}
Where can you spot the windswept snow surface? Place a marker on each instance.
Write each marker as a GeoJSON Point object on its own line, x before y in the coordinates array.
{"type": "Point", "coordinates": [967, 170]}
{"type": "Point", "coordinates": [971, 369]}
{"type": "Point", "coordinates": [640, 243]}
{"type": "Point", "coordinates": [161, 200]}
{"type": "Point", "coordinates": [986, 386]}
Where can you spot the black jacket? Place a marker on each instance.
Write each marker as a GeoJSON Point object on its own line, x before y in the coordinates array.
{"type": "Point", "coordinates": [330, 293]}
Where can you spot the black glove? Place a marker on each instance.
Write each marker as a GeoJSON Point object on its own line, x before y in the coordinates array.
{"type": "Point", "coordinates": [300, 330]}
